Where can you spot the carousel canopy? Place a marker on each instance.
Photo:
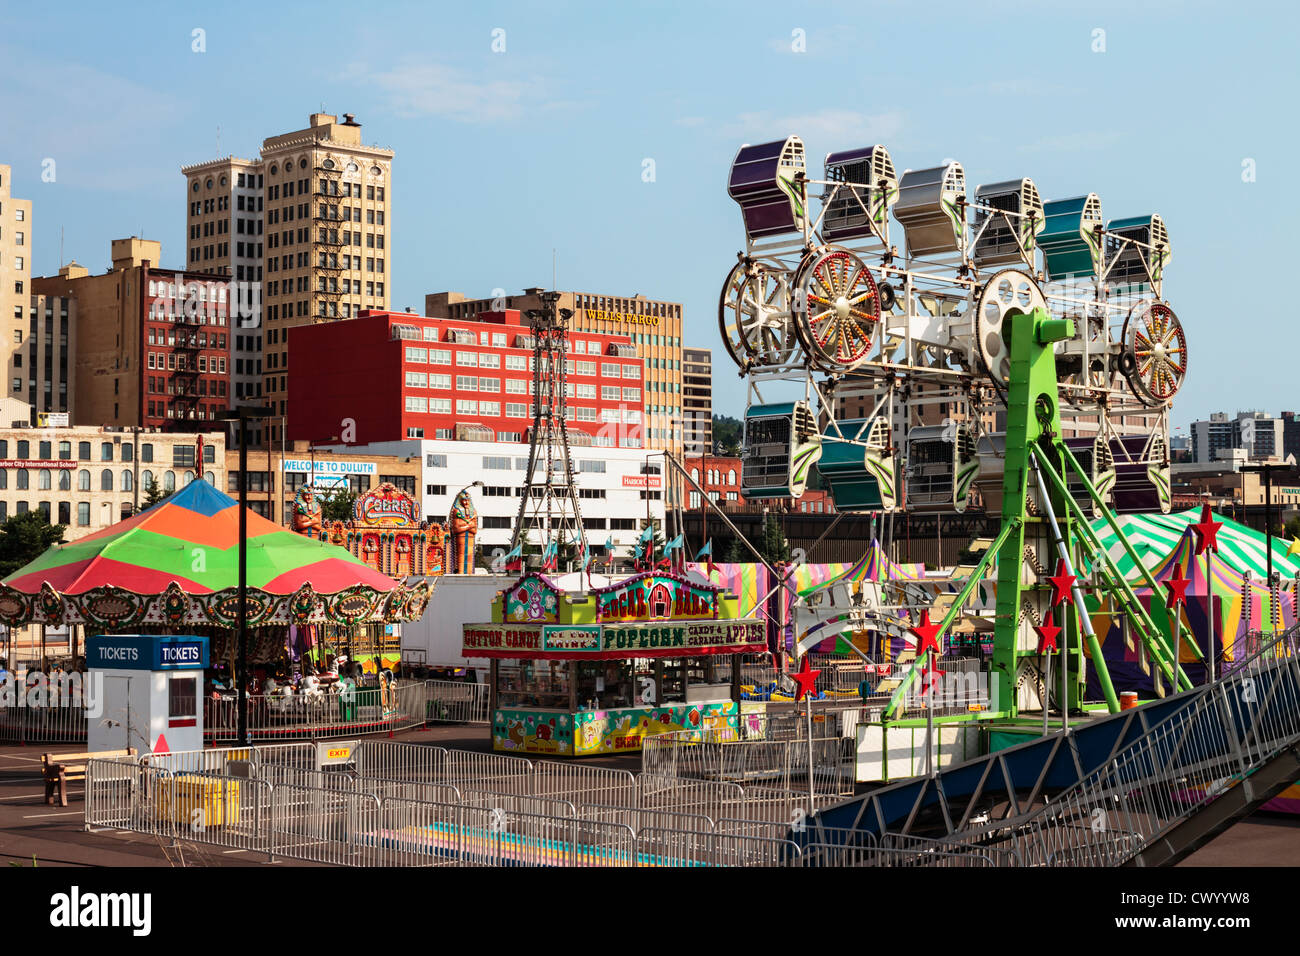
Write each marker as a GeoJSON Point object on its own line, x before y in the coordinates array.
{"type": "Point", "coordinates": [178, 562]}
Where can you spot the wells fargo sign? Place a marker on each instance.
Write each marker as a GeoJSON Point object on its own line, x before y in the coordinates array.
{"type": "Point", "coordinates": [626, 318]}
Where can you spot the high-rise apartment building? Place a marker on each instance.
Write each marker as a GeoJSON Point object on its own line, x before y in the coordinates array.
{"type": "Point", "coordinates": [653, 326]}
{"type": "Point", "coordinates": [224, 235]}
{"type": "Point", "coordinates": [45, 363]}
{"type": "Point", "coordinates": [697, 401]}
{"type": "Point", "coordinates": [313, 218]}
{"type": "Point", "coordinates": [15, 281]}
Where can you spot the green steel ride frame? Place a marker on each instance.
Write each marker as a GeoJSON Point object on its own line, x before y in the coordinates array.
{"type": "Point", "coordinates": [1033, 443]}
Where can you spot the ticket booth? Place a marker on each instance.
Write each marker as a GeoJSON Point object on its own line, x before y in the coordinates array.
{"type": "Point", "coordinates": [151, 686]}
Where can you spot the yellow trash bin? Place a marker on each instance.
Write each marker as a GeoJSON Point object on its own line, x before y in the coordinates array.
{"type": "Point", "coordinates": [191, 800]}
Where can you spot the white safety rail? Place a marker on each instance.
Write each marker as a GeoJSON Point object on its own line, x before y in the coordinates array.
{"type": "Point", "coordinates": [322, 714]}
{"type": "Point", "coordinates": [457, 702]}
{"type": "Point", "coordinates": [282, 801]}
{"type": "Point", "coordinates": [763, 750]}
{"type": "Point", "coordinates": [50, 724]}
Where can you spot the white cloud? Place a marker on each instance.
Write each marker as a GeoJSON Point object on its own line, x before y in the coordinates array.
{"type": "Point", "coordinates": [104, 131]}
{"type": "Point", "coordinates": [432, 89]}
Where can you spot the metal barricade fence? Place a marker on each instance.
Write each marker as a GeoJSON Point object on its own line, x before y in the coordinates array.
{"type": "Point", "coordinates": [423, 833]}
{"type": "Point", "coordinates": [488, 771]}
{"type": "Point", "coordinates": [584, 784]}
{"type": "Point", "coordinates": [840, 856]}
{"type": "Point", "coordinates": [394, 760]}
{"type": "Point", "coordinates": [111, 786]}
{"type": "Point", "coordinates": [682, 795]}
{"type": "Point", "coordinates": [50, 724]}
{"type": "Point", "coordinates": [455, 702]}
{"type": "Point", "coordinates": [514, 803]}
{"type": "Point", "coordinates": [638, 819]}
{"type": "Point", "coordinates": [325, 826]}
{"type": "Point", "coordinates": [409, 790]}
{"type": "Point", "coordinates": [322, 714]}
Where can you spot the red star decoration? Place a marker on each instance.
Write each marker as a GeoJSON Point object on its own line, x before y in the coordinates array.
{"type": "Point", "coordinates": [1207, 531]}
{"type": "Point", "coordinates": [928, 675]}
{"type": "Point", "coordinates": [1047, 633]}
{"type": "Point", "coordinates": [1177, 587]}
{"type": "Point", "coordinates": [806, 679]}
{"type": "Point", "coordinates": [926, 634]}
{"type": "Point", "coordinates": [1062, 584]}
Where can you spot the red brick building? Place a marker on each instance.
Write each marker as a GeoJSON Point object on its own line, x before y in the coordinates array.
{"type": "Point", "coordinates": [152, 344]}
{"type": "Point", "coordinates": [720, 478]}
{"type": "Point", "coordinates": [388, 376]}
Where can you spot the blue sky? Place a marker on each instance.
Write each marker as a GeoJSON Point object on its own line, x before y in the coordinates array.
{"type": "Point", "coordinates": [502, 157]}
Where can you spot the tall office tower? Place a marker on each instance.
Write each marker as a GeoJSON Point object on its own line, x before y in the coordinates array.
{"type": "Point", "coordinates": [15, 282]}
{"type": "Point", "coordinates": [697, 401]}
{"type": "Point", "coordinates": [224, 238]}
{"type": "Point", "coordinates": [308, 222]}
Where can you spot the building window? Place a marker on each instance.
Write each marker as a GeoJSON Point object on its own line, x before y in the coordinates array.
{"type": "Point", "coordinates": [21, 481]}
{"type": "Point", "coordinates": [83, 480]}
{"type": "Point", "coordinates": [83, 513]}
{"type": "Point", "coordinates": [106, 480]}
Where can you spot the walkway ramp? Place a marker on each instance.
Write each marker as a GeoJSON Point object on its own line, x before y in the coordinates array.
{"type": "Point", "coordinates": [1143, 787]}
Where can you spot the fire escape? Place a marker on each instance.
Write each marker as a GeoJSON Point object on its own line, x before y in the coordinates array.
{"type": "Point", "coordinates": [329, 239]}
{"type": "Point", "coordinates": [184, 383]}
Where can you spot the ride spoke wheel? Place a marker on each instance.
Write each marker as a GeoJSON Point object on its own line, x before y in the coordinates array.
{"type": "Point", "coordinates": [1006, 290]}
{"type": "Point", "coordinates": [1157, 348]}
{"type": "Point", "coordinates": [840, 315]}
{"type": "Point", "coordinates": [754, 317]}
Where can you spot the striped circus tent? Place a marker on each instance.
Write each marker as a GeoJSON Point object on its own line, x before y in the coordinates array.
{"type": "Point", "coordinates": [1155, 536]}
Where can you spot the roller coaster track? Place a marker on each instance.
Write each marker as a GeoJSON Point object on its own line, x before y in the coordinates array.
{"type": "Point", "coordinates": [1144, 787]}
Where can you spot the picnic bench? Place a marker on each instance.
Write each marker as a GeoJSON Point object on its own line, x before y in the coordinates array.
{"type": "Point", "coordinates": [60, 768]}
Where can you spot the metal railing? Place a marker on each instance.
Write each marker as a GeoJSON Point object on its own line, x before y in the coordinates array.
{"type": "Point", "coordinates": [1224, 733]}
{"type": "Point", "coordinates": [321, 714]}
{"type": "Point", "coordinates": [51, 724]}
{"type": "Point", "coordinates": [766, 750]}
{"type": "Point", "coordinates": [455, 702]}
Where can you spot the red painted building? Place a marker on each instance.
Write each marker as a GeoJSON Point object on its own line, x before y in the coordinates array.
{"type": "Point", "coordinates": [185, 369]}
{"type": "Point", "coordinates": [387, 376]}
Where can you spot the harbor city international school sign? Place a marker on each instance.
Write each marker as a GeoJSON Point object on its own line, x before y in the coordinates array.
{"type": "Point", "coordinates": [653, 614]}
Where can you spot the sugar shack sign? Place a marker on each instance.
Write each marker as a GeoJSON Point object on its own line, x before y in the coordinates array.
{"type": "Point", "coordinates": [657, 597]}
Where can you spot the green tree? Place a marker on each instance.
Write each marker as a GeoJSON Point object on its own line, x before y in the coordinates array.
{"type": "Point", "coordinates": [774, 545]}
{"type": "Point", "coordinates": [737, 553]}
{"type": "Point", "coordinates": [726, 435]}
{"type": "Point", "coordinates": [24, 538]}
{"type": "Point", "coordinates": [336, 504]}
{"type": "Point", "coordinates": [152, 494]}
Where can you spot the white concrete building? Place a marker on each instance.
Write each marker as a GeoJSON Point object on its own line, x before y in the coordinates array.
{"type": "Point", "coordinates": [618, 488]}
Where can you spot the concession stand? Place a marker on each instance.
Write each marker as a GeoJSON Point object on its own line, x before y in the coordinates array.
{"type": "Point", "coordinates": [594, 672]}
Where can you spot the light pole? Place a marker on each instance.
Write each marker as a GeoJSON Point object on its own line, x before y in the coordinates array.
{"type": "Point", "coordinates": [243, 414]}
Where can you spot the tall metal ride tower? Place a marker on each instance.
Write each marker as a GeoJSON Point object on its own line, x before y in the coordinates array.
{"type": "Point", "coordinates": [549, 505]}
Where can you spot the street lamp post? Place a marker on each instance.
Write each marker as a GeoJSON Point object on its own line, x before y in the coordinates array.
{"type": "Point", "coordinates": [243, 414]}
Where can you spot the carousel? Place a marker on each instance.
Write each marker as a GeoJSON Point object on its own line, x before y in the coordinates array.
{"type": "Point", "coordinates": [316, 613]}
